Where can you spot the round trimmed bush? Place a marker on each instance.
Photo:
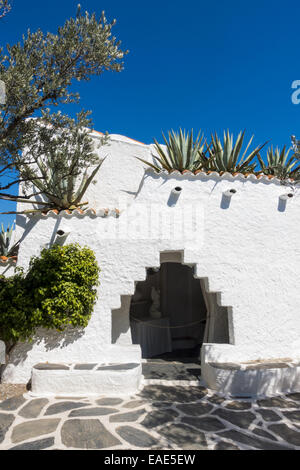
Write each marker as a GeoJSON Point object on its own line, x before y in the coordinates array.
{"type": "Point", "coordinates": [58, 290]}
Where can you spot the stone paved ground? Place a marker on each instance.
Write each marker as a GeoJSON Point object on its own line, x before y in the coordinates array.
{"type": "Point", "coordinates": [172, 411]}
{"type": "Point", "coordinates": [158, 417]}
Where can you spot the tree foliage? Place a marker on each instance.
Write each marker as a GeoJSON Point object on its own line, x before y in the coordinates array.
{"type": "Point", "coordinates": [57, 164]}
{"type": "Point", "coordinates": [38, 73]}
{"type": "Point", "coordinates": [5, 7]}
{"type": "Point", "coordinates": [7, 248]}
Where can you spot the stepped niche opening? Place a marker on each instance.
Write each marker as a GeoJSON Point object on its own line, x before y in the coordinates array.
{"type": "Point", "coordinates": [170, 314]}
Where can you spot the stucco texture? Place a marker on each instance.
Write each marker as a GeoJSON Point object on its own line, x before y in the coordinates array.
{"type": "Point", "coordinates": [246, 248]}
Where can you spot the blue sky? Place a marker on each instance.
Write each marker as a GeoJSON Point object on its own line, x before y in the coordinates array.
{"type": "Point", "coordinates": [193, 64]}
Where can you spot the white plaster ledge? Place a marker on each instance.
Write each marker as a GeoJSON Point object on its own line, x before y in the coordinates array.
{"type": "Point", "coordinates": [85, 379]}
{"type": "Point", "coordinates": [227, 379]}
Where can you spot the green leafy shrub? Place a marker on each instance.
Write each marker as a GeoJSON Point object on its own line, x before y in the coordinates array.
{"type": "Point", "coordinates": [17, 317]}
{"type": "Point", "coordinates": [58, 290]}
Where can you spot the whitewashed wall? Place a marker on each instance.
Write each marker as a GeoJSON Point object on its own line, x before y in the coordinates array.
{"type": "Point", "coordinates": [7, 268]}
{"type": "Point", "coordinates": [247, 249]}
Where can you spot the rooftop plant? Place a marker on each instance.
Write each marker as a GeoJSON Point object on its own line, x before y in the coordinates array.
{"type": "Point", "coordinates": [181, 152]}
{"type": "Point", "coordinates": [59, 164]}
{"type": "Point", "coordinates": [280, 163]}
{"type": "Point", "coordinates": [226, 156]}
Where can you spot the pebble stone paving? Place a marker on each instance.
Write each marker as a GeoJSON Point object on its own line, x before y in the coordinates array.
{"type": "Point", "coordinates": [159, 417]}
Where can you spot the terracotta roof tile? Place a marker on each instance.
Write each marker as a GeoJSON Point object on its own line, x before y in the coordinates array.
{"type": "Point", "coordinates": [98, 132]}
{"type": "Point", "coordinates": [225, 174]}
{"type": "Point", "coordinates": [76, 213]}
{"type": "Point", "coordinates": [134, 140]}
{"type": "Point", "coordinates": [4, 260]}
{"type": "Point", "coordinates": [130, 138]}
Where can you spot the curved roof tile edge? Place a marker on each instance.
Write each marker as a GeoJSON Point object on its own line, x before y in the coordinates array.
{"type": "Point", "coordinates": [79, 213]}
{"type": "Point", "coordinates": [8, 260]}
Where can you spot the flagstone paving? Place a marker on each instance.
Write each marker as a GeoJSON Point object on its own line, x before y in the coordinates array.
{"type": "Point", "coordinates": [158, 417]}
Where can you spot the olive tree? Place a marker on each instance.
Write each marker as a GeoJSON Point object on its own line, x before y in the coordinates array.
{"type": "Point", "coordinates": [38, 73]}
{"type": "Point", "coordinates": [5, 7]}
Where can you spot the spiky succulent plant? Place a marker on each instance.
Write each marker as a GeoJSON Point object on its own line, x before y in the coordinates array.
{"type": "Point", "coordinates": [181, 152]}
{"type": "Point", "coordinates": [63, 191]}
{"type": "Point", "coordinates": [62, 162]}
{"type": "Point", "coordinates": [6, 236]}
{"type": "Point", "coordinates": [280, 164]}
{"type": "Point", "coordinates": [226, 156]}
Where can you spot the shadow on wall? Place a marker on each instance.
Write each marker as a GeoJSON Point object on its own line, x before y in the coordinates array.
{"type": "Point", "coordinates": [21, 221]}
{"type": "Point", "coordinates": [281, 205]}
{"type": "Point", "coordinates": [51, 340]}
{"type": "Point", "coordinates": [120, 332]}
{"type": "Point", "coordinates": [28, 226]}
{"type": "Point", "coordinates": [253, 381]}
{"type": "Point", "coordinates": [225, 201]}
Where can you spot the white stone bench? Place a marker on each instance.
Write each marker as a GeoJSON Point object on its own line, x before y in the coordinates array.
{"type": "Point", "coordinates": [253, 378]}
{"type": "Point", "coordinates": [85, 379]}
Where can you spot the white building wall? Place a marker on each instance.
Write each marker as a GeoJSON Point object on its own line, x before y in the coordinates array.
{"type": "Point", "coordinates": [247, 249]}
{"type": "Point", "coordinates": [7, 268]}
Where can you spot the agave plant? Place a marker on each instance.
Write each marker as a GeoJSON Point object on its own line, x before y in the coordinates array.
{"type": "Point", "coordinates": [63, 191]}
{"type": "Point", "coordinates": [280, 164]}
{"type": "Point", "coordinates": [60, 163]}
{"type": "Point", "coordinates": [226, 156]}
{"type": "Point", "coordinates": [6, 248]}
{"type": "Point", "coordinates": [181, 152]}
